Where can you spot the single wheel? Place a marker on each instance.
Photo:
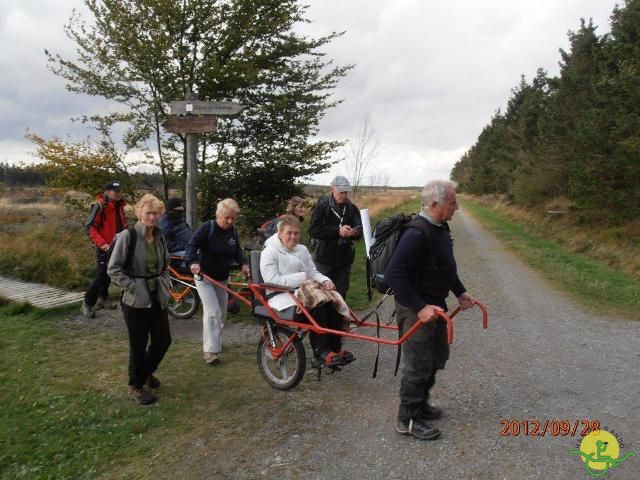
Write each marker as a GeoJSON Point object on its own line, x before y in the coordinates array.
{"type": "Point", "coordinates": [286, 372]}
{"type": "Point", "coordinates": [183, 301]}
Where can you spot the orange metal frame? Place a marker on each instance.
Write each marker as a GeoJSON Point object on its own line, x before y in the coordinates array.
{"type": "Point", "coordinates": [185, 278]}
{"type": "Point", "coordinates": [257, 288]}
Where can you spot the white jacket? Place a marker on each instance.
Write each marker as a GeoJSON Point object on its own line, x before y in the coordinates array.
{"type": "Point", "coordinates": [288, 268]}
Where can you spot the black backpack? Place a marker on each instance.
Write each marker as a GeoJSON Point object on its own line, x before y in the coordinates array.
{"type": "Point", "coordinates": [385, 237]}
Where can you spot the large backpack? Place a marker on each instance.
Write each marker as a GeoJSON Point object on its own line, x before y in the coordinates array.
{"type": "Point", "coordinates": [267, 229]}
{"type": "Point", "coordinates": [385, 236]}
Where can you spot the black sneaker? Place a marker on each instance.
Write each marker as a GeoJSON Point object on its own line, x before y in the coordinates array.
{"type": "Point", "coordinates": [141, 395]}
{"type": "Point", "coordinates": [429, 412]}
{"type": "Point", "coordinates": [417, 428]}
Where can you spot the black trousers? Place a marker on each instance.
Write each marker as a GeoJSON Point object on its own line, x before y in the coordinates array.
{"type": "Point", "coordinates": [100, 285]}
{"type": "Point", "coordinates": [423, 353]}
{"type": "Point", "coordinates": [338, 275]}
{"type": "Point", "coordinates": [327, 317]}
{"type": "Point", "coordinates": [146, 326]}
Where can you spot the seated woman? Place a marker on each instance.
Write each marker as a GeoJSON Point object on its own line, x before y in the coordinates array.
{"type": "Point", "coordinates": [285, 262]}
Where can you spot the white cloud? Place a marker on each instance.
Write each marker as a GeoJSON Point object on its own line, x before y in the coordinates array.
{"type": "Point", "coordinates": [431, 73]}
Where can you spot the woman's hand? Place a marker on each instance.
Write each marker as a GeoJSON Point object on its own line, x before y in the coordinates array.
{"type": "Point", "coordinates": [328, 285]}
{"type": "Point", "coordinates": [195, 268]}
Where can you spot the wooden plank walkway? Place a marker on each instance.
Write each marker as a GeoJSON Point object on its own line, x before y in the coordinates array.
{"type": "Point", "coordinates": [38, 295]}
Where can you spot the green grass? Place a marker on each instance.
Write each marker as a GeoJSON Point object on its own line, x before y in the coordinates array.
{"type": "Point", "coordinates": [64, 410]}
{"type": "Point", "coordinates": [591, 282]}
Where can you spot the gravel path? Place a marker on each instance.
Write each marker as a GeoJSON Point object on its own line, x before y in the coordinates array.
{"type": "Point", "coordinates": [543, 357]}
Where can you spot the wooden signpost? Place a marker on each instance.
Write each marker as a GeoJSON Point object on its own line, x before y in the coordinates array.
{"type": "Point", "coordinates": [205, 108]}
{"type": "Point", "coordinates": [184, 125]}
{"type": "Point", "coordinates": [183, 120]}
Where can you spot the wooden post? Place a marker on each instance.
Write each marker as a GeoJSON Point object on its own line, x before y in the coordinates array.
{"type": "Point", "coordinates": [190, 117]}
{"type": "Point", "coordinates": [191, 187]}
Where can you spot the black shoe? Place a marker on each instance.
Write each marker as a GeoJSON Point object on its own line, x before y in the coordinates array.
{"type": "Point", "coordinates": [417, 428]}
{"type": "Point", "coordinates": [429, 412]}
{"type": "Point", "coordinates": [141, 395]}
{"type": "Point", "coordinates": [153, 382]}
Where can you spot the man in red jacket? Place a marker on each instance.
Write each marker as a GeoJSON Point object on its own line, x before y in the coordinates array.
{"type": "Point", "coordinates": [105, 220]}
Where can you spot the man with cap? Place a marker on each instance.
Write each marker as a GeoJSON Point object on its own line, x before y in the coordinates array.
{"type": "Point", "coordinates": [335, 223]}
{"type": "Point", "coordinates": [175, 228]}
{"type": "Point", "coordinates": [106, 219]}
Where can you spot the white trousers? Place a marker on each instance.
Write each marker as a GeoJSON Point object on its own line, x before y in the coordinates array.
{"type": "Point", "coordinates": [214, 308]}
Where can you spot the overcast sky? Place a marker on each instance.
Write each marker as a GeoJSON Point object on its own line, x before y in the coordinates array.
{"type": "Point", "coordinates": [430, 73]}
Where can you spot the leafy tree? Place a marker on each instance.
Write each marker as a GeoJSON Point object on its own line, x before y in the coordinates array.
{"type": "Point", "coordinates": [83, 165]}
{"type": "Point", "coordinates": [575, 135]}
{"type": "Point", "coordinates": [145, 53]}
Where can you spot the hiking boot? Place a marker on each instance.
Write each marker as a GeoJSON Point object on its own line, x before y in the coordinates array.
{"type": "Point", "coordinates": [141, 395]}
{"type": "Point", "coordinates": [211, 358]}
{"type": "Point", "coordinates": [87, 311]}
{"type": "Point", "coordinates": [153, 382]}
{"type": "Point", "coordinates": [417, 428]}
{"type": "Point", "coordinates": [106, 304]}
{"type": "Point", "coordinates": [429, 412]}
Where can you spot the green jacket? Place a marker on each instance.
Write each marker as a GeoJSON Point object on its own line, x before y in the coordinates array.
{"type": "Point", "coordinates": [136, 293]}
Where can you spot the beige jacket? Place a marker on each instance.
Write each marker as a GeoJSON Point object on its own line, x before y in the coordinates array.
{"type": "Point", "coordinates": [136, 293]}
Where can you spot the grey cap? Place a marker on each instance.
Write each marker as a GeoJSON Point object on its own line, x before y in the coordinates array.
{"type": "Point", "coordinates": [341, 183]}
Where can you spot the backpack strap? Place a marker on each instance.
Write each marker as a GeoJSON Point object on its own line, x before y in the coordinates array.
{"type": "Point", "coordinates": [427, 233]}
{"type": "Point", "coordinates": [131, 248]}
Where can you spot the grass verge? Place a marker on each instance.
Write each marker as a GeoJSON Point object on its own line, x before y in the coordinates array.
{"type": "Point", "coordinates": [65, 411]}
{"type": "Point", "coordinates": [593, 283]}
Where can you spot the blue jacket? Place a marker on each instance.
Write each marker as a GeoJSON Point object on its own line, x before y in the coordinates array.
{"type": "Point", "coordinates": [176, 232]}
{"type": "Point", "coordinates": [418, 276]}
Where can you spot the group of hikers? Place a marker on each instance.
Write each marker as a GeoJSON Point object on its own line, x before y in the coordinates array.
{"type": "Point", "coordinates": [421, 273]}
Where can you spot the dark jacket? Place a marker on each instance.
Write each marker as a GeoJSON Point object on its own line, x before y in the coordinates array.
{"type": "Point", "coordinates": [106, 218]}
{"type": "Point", "coordinates": [419, 276]}
{"type": "Point", "coordinates": [216, 251]}
{"type": "Point", "coordinates": [176, 231]}
{"type": "Point", "coordinates": [331, 249]}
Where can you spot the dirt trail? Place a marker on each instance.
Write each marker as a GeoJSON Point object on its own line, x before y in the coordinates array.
{"type": "Point", "coordinates": [542, 358]}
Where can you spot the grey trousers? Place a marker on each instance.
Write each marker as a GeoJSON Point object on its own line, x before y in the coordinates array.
{"type": "Point", "coordinates": [423, 354]}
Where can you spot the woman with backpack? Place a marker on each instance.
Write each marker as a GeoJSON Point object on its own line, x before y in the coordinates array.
{"type": "Point", "coordinates": [213, 249]}
{"type": "Point", "coordinates": [295, 207]}
{"type": "Point", "coordinates": [139, 264]}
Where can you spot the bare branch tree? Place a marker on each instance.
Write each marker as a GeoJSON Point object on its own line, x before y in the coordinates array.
{"type": "Point", "coordinates": [362, 149]}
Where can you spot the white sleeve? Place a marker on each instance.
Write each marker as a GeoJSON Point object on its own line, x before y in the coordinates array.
{"type": "Point", "coordinates": [270, 271]}
{"type": "Point", "coordinates": [310, 267]}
